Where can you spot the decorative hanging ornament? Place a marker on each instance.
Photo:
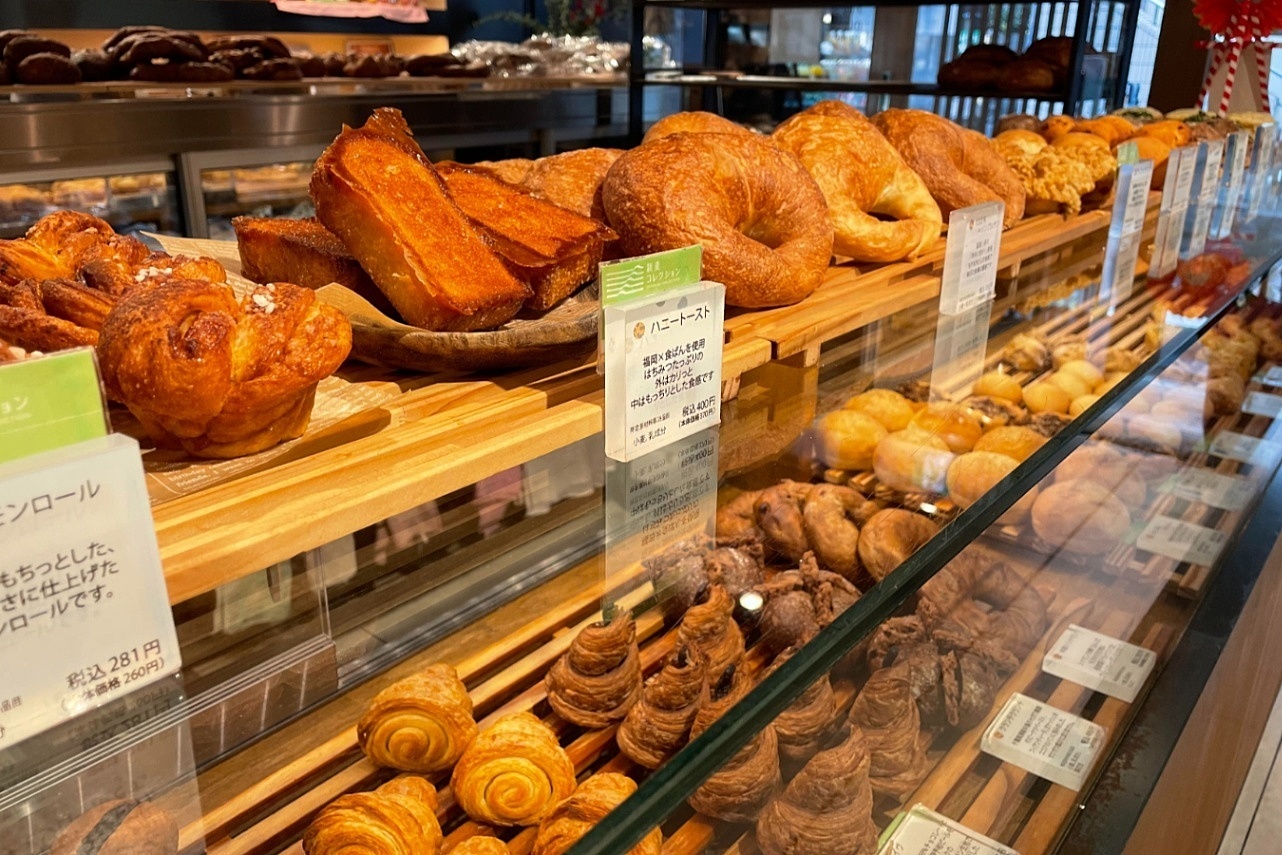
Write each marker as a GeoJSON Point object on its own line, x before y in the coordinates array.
{"type": "Point", "coordinates": [1237, 25]}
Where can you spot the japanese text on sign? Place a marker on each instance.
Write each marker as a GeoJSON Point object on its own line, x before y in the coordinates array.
{"type": "Point", "coordinates": [970, 257]}
{"type": "Point", "coordinates": [1045, 741]}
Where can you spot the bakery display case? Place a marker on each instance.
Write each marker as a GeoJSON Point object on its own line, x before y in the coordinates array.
{"type": "Point", "coordinates": [133, 201]}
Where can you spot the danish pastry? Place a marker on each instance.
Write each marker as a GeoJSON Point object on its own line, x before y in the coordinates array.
{"type": "Point", "coordinates": [741, 787]}
{"type": "Point", "coordinates": [419, 724]}
{"type": "Point", "coordinates": [589, 804]}
{"type": "Point", "coordinates": [513, 773]}
{"type": "Point", "coordinates": [659, 724]}
{"type": "Point", "coordinates": [399, 818]}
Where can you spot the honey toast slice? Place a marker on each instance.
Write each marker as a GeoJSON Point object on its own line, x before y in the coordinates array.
{"type": "Point", "coordinates": [376, 191]}
{"type": "Point", "coordinates": [550, 248]}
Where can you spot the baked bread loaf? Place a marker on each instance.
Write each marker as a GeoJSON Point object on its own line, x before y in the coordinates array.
{"type": "Point", "coordinates": [589, 804]}
{"type": "Point", "coordinates": [693, 122]}
{"type": "Point", "coordinates": [887, 406]}
{"type": "Point", "coordinates": [276, 249]}
{"type": "Point", "coordinates": [399, 818]}
{"type": "Point", "coordinates": [861, 175]}
{"type": "Point", "coordinates": [598, 679]}
{"type": "Point", "coordinates": [959, 166]}
{"type": "Point", "coordinates": [216, 376]}
{"type": "Point", "coordinates": [1080, 516]}
{"type": "Point", "coordinates": [571, 179]}
{"type": "Point", "coordinates": [120, 827]}
{"type": "Point", "coordinates": [759, 216]}
{"type": "Point", "coordinates": [374, 188]}
{"type": "Point", "coordinates": [513, 773]}
{"type": "Point", "coordinates": [846, 439]}
{"type": "Point", "coordinates": [551, 249]}
{"type": "Point", "coordinates": [419, 724]}
{"type": "Point", "coordinates": [911, 460]}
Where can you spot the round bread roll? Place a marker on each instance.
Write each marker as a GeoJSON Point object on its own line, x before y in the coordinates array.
{"type": "Point", "coordinates": [975, 473]}
{"type": "Point", "coordinates": [887, 406]}
{"type": "Point", "coordinates": [1080, 516]}
{"type": "Point", "coordinates": [890, 537]}
{"type": "Point", "coordinates": [1025, 75]}
{"type": "Point", "coordinates": [953, 423]}
{"type": "Point", "coordinates": [998, 384]}
{"type": "Point", "coordinates": [1014, 441]}
{"type": "Point", "coordinates": [1072, 384]}
{"type": "Point", "coordinates": [1026, 140]}
{"type": "Point", "coordinates": [1045, 397]}
{"type": "Point", "coordinates": [1155, 432]}
{"type": "Point", "coordinates": [912, 460]}
{"type": "Point", "coordinates": [1055, 127]}
{"type": "Point", "coordinates": [1085, 370]}
{"type": "Point", "coordinates": [120, 827]}
{"type": "Point", "coordinates": [1081, 404]}
{"type": "Point", "coordinates": [1073, 139]}
{"type": "Point", "coordinates": [1088, 458]}
{"type": "Point", "coordinates": [846, 439]}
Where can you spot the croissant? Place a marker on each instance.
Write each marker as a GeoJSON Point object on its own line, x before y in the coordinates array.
{"type": "Point", "coordinates": [826, 809]}
{"type": "Point", "coordinates": [959, 166]}
{"type": "Point", "coordinates": [216, 376]}
{"type": "Point", "coordinates": [598, 679]}
{"type": "Point", "coordinates": [396, 819]}
{"type": "Point", "coordinates": [589, 804]}
{"type": "Point", "coordinates": [887, 713]}
{"type": "Point", "coordinates": [710, 626]}
{"type": "Point", "coordinates": [419, 724]}
{"type": "Point", "coordinates": [481, 846]}
{"type": "Point", "coordinates": [571, 179]}
{"type": "Point", "coordinates": [740, 788]}
{"type": "Point", "coordinates": [860, 175]}
{"type": "Point", "coordinates": [809, 720]}
{"type": "Point", "coordinates": [513, 773]}
{"type": "Point", "coordinates": [659, 724]}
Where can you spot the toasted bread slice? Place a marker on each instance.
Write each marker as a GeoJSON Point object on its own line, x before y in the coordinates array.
{"type": "Point", "coordinates": [550, 248]}
{"type": "Point", "coordinates": [374, 188]}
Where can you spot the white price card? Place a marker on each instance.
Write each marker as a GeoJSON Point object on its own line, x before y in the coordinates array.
{"type": "Point", "coordinates": [1231, 445]}
{"type": "Point", "coordinates": [1235, 168]}
{"type": "Point", "coordinates": [1182, 541]}
{"type": "Point", "coordinates": [1045, 741]}
{"type": "Point", "coordinates": [1134, 181]}
{"type": "Point", "coordinates": [1210, 155]}
{"type": "Point", "coordinates": [84, 612]}
{"type": "Point", "coordinates": [1173, 211]}
{"type": "Point", "coordinates": [922, 831]}
{"type": "Point", "coordinates": [1100, 662]}
{"type": "Point", "coordinates": [1227, 492]}
{"type": "Point", "coordinates": [1121, 254]}
{"type": "Point", "coordinates": [970, 257]}
{"type": "Point", "coordinates": [1262, 404]}
{"type": "Point", "coordinates": [662, 368]}
{"type": "Point", "coordinates": [1272, 377]}
{"type": "Point", "coordinates": [1263, 154]}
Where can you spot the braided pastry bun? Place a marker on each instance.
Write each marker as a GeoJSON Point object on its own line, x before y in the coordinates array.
{"type": "Point", "coordinates": [659, 724]}
{"type": "Point", "coordinates": [598, 679]}
{"type": "Point", "coordinates": [215, 376]}
{"type": "Point", "coordinates": [513, 773]}
{"type": "Point", "coordinates": [589, 804]}
{"type": "Point", "coordinates": [759, 216]}
{"type": "Point", "coordinates": [710, 626]}
{"type": "Point", "coordinates": [860, 175]}
{"type": "Point", "coordinates": [396, 819]}
{"type": "Point", "coordinates": [738, 790]}
{"type": "Point", "coordinates": [419, 724]}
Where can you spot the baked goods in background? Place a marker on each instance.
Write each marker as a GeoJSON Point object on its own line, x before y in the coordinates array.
{"type": "Point", "coordinates": [376, 190]}
{"type": "Point", "coordinates": [809, 721]}
{"type": "Point", "coordinates": [118, 827]}
{"type": "Point", "coordinates": [587, 806]}
{"type": "Point", "coordinates": [1017, 441]}
{"type": "Point", "coordinates": [913, 460]}
{"type": "Point", "coordinates": [419, 724]}
{"type": "Point", "coordinates": [1081, 516]}
{"type": "Point", "coordinates": [398, 817]}
{"type": "Point", "coordinates": [710, 627]}
{"type": "Point", "coordinates": [890, 537]}
{"type": "Point", "coordinates": [880, 209]}
{"type": "Point", "coordinates": [890, 408]}
{"type": "Point", "coordinates": [571, 179]}
{"type": "Point", "coordinates": [598, 679]}
{"type": "Point", "coordinates": [757, 213]}
{"type": "Point", "coordinates": [886, 711]}
{"type": "Point", "coordinates": [846, 439]}
{"type": "Point", "coordinates": [659, 723]}
{"type": "Point", "coordinates": [513, 773]}
{"type": "Point", "coordinates": [960, 167]}
{"type": "Point", "coordinates": [799, 603]}
{"type": "Point", "coordinates": [1174, 133]}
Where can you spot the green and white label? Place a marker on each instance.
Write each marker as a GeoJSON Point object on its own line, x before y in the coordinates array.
{"type": "Point", "coordinates": [49, 402]}
{"type": "Point", "coordinates": [650, 275]}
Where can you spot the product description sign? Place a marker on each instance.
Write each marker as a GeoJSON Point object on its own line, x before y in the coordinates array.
{"type": "Point", "coordinates": [1232, 445]}
{"type": "Point", "coordinates": [922, 831]}
{"type": "Point", "coordinates": [1262, 404]}
{"type": "Point", "coordinates": [1172, 214]}
{"type": "Point", "coordinates": [1182, 541]}
{"type": "Point", "coordinates": [1261, 161]}
{"type": "Point", "coordinates": [1122, 251]}
{"type": "Point", "coordinates": [84, 613]}
{"type": "Point", "coordinates": [49, 402]}
{"type": "Point", "coordinates": [1227, 492]}
{"type": "Point", "coordinates": [1045, 741]}
{"type": "Point", "coordinates": [970, 257]}
{"type": "Point", "coordinates": [1234, 171]}
{"type": "Point", "coordinates": [1207, 183]}
{"type": "Point", "coordinates": [1099, 662]}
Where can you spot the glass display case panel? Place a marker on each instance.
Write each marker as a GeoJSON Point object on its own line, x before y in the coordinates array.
{"type": "Point", "coordinates": [269, 190]}
{"type": "Point", "coordinates": [134, 202]}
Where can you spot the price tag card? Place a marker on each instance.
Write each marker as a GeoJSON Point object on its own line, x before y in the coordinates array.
{"type": "Point", "coordinates": [1047, 742]}
{"type": "Point", "coordinates": [1095, 660]}
{"type": "Point", "coordinates": [1263, 154]}
{"type": "Point", "coordinates": [970, 257]}
{"type": "Point", "coordinates": [1207, 184]}
{"type": "Point", "coordinates": [922, 831]}
{"type": "Point", "coordinates": [1182, 541]}
{"type": "Point", "coordinates": [1235, 160]}
{"type": "Point", "coordinates": [85, 615]}
{"type": "Point", "coordinates": [1262, 404]}
{"type": "Point", "coordinates": [1227, 492]}
{"type": "Point", "coordinates": [1179, 177]}
{"type": "Point", "coordinates": [1173, 211]}
{"type": "Point", "coordinates": [662, 368]}
{"type": "Point", "coordinates": [1131, 204]}
{"type": "Point", "coordinates": [1272, 377]}
{"type": "Point", "coordinates": [1231, 445]}
{"type": "Point", "coordinates": [49, 402]}
{"type": "Point", "coordinates": [1121, 254]}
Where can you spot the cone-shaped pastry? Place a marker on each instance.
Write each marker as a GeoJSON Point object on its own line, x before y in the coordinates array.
{"type": "Point", "coordinates": [660, 723]}
{"type": "Point", "coordinates": [598, 679]}
{"type": "Point", "coordinates": [809, 720]}
{"type": "Point", "coordinates": [739, 789]}
{"type": "Point", "coordinates": [711, 627]}
{"type": "Point", "coordinates": [419, 724]}
{"type": "Point", "coordinates": [513, 773]}
{"type": "Point", "coordinates": [396, 819]}
{"type": "Point", "coordinates": [887, 713]}
{"type": "Point", "coordinates": [481, 846]}
{"type": "Point", "coordinates": [826, 809]}
{"type": "Point", "coordinates": [575, 816]}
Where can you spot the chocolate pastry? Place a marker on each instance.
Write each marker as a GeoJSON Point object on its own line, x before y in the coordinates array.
{"type": "Point", "coordinates": [598, 679]}
{"type": "Point", "coordinates": [892, 634]}
{"type": "Point", "coordinates": [738, 517]}
{"type": "Point", "coordinates": [394, 63]}
{"type": "Point", "coordinates": [587, 806]}
{"type": "Point", "coordinates": [428, 64]}
{"type": "Point", "coordinates": [146, 47]}
{"type": "Point", "coordinates": [123, 33]}
{"type": "Point", "coordinates": [182, 72]}
{"type": "Point", "coordinates": [973, 573]}
{"type": "Point", "coordinates": [94, 65]}
{"type": "Point", "coordinates": [20, 47]}
{"type": "Point", "coordinates": [710, 627]}
{"type": "Point", "coordinates": [238, 59]}
{"type": "Point", "coordinates": [398, 817]}
{"type": "Point", "coordinates": [46, 69]}
{"type": "Point", "coordinates": [364, 66]}
{"type": "Point", "coordinates": [678, 576]}
{"type": "Point", "coordinates": [312, 66]}
{"type": "Point", "coordinates": [658, 725]}
{"type": "Point", "coordinates": [887, 712]}
{"type": "Point", "coordinates": [827, 808]}
{"type": "Point", "coordinates": [809, 720]}
{"type": "Point", "coordinates": [1018, 627]}
{"type": "Point", "coordinates": [7, 36]}
{"type": "Point", "coordinates": [274, 69]}
{"type": "Point", "coordinates": [741, 787]}
{"type": "Point", "coordinates": [919, 664]}
{"type": "Point", "coordinates": [270, 46]}
{"type": "Point", "coordinates": [778, 513]}
{"type": "Point", "coordinates": [799, 603]}
{"type": "Point", "coordinates": [970, 686]}
{"type": "Point", "coordinates": [335, 64]}
{"type": "Point", "coordinates": [735, 564]}
{"type": "Point", "coordinates": [1049, 424]}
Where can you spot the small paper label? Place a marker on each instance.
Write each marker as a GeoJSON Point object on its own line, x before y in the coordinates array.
{"type": "Point", "coordinates": [1233, 172]}
{"type": "Point", "coordinates": [1262, 404]}
{"type": "Point", "coordinates": [1095, 660]}
{"type": "Point", "coordinates": [1272, 377]}
{"type": "Point", "coordinates": [922, 831]}
{"type": "Point", "coordinates": [1182, 541]}
{"type": "Point", "coordinates": [1231, 445]}
{"type": "Point", "coordinates": [49, 402]}
{"type": "Point", "coordinates": [1210, 155]}
{"type": "Point", "coordinates": [1045, 741]}
{"type": "Point", "coordinates": [1181, 176]}
{"type": "Point", "coordinates": [1227, 492]}
{"type": "Point", "coordinates": [1209, 184]}
{"type": "Point", "coordinates": [1120, 257]}
{"type": "Point", "coordinates": [650, 275]}
{"type": "Point", "coordinates": [1173, 211]}
{"type": "Point", "coordinates": [1136, 199]}
{"type": "Point", "coordinates": [1263, 158]}
{"type": "Point", "coordinates": [970, 257]}
{"type": "Point", "coordinates": [1128, 152]}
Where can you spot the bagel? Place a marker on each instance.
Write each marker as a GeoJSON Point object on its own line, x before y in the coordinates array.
{"type": "Point", "coordinates": [758, 214]}
{"type": "Point", "coordinates": [693, 122]}
{"type": "Point", "coordinates": [890, 537]}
